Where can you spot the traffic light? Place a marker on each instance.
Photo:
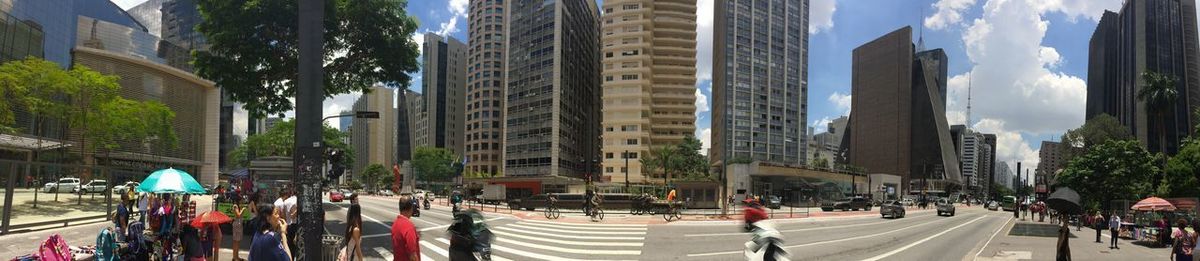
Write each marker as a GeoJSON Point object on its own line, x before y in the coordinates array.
{"type": "Point", "coordinates": [337, 166]}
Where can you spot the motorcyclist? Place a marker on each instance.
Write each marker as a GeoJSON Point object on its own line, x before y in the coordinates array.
{"type": "Point", "coordinates": [455, 200]}
{"type": "Point", "coordinates": [470, 238]}
{"type": "Point", "coordinates": [766, 243]}
{"type": "Point", "coordinates": [425, 199]}
{"type": "Point", "coordinates": [753, 213]}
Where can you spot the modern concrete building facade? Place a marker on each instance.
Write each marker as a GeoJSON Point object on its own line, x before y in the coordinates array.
{"type": "Point", "coordinates": [485, 87]}
{"type": "Point", "coordinates": [970, 154]}
{"type": "Point", "coordinates": [417, 125]}
{"type": "Point", "coordinates": [760, 81]}
{"type": "Point", "coordinates": [1145, 36]}
{"type": "Point", "coordinates": [898, 121]}
{"type": "Point", "coordinates": [552, 70]}
{"type": "Point", "coordinates": [442, 86]}
{"type": "Point", "coordinates": [374, 140]}
{"type": "Point", "coordinates": [649, 70]}
{"type": "Point", "coordinates": [1050, 161]}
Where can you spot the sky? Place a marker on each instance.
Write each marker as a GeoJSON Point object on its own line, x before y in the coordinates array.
{"type": "Point", "coordinates": [1025, 61]}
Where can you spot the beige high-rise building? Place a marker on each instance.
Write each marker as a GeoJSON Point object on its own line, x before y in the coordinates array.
{"type": "Point", "coordinates": [649, 70]}
{"type": "Point", "coordinates": [374, 140]}
{"type": "Point", "coordinates": [485, 88]}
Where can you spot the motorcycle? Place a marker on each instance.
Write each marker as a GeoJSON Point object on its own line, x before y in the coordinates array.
{"type": "Point", "coordinates": [767, 243]}
{"type": "Point", "coordinates": [426, 203]}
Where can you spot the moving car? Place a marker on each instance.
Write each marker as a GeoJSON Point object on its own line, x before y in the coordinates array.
{"type": "Point", "coordinates": [908, 202]}
{"type": "Point", "coordinates": [336, 196]}
{"type": "Point", "coordinates": [773, 202]}
{"type": "Point", "coordinates": [386, 192]}
{"type": "Point", "coordinates": [945, 207]}
{"type": "Point", "coordinates": [855, 203]}
{"type": "Point", "coordinates": [63, 184]}
{"type": "Point", "coordinates": [993, 206]}
{"type": "Point", "coordinates": [94, 186]}
{"type": "Point", "coordinates": [892, 208]}
{"type": "Point", "coordinates": [127, 186]}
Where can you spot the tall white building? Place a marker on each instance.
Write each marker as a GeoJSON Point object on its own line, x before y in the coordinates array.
{"type": "Point", "coordinates": [971, 153]}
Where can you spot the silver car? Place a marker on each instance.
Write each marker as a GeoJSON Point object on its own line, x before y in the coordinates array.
{"type": "Point", "coordinates": [945, 207]}
{"type": "Point", "coordinates": [891, 208]}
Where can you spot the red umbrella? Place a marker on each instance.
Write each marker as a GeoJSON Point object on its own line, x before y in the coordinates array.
{"type": "Point", "coordinates": [210, 217]}
{"type": "Point", "coordinates": [1153, 204]}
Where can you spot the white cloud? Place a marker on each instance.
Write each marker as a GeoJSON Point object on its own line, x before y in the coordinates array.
{"type": "Point", "coordinates": [1010, 146]}
{"type": "Point", "coordinates": [419, 38]}
{"type": "Point", "coordinates": [949, 12]}
{"type": "Point", "coordinates": [705, 136]}
{"type": "Point", "coordinates": [701, 103]}
{"type": "Point", "coordinates": [821, 125]}
{"type": "Point", "coordinates": [1049, 57]}
{"type": "Point", "coordinates": [841, 102]}
{"type": "Point", "coordinates": [458, 10]}
{"type": "Point", "coordinates": [704, 31]}
{"type": "Point", "coordinates": [449, 27]}
{"type": "Point", "coordinates": [821, 15]}
{"type": "Point", "coordinates": [339, 103]}
{"type": "Point", "coordinates": [1091, 9]}
{"type": "Point", "coordinates": [126, 4]}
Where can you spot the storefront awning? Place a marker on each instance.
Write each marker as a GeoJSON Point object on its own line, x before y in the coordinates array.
{"type": "Point", "coordinates": [24, 143]}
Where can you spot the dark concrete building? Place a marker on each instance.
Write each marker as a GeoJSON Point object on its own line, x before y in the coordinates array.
{"type": "Point", "coordinates": [1145, 36]}
{"type": "Point", "coordinates": [552, 107]}
{"type": "Point", "coordinates": [898, 121]}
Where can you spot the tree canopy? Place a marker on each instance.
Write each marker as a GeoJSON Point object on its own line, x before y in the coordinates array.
{"type": "Point", "coordinates": [280, 141]}
{"type": "Point", "coordinates": [87, 100]}
{"type": "Point", "coordinates": [373, 176]}
{"type": "Point", "coordinates": [1180, 178]}
{"type": "Point", "coordinates": [434, 164]}
{"type": "Point", "coordinates": [1115, 169]}
{"type": "Point", "coordinates": [682, 161]}
{"type": "Point", "coordinates": [254, 48]}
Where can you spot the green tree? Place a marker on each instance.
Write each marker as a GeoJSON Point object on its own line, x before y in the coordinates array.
{"type": "Point", "coordinates": [254, 48]}
{"type": "Point", "coordinates": [1159, 95]}
{"type": "Point", "coordinates": [1181, 173]}
{"type": "Point", "coordinates": [1115, 169]}
{"type": "Point", "coordinates": [1094, 132]}
{"type": "Point", "coordinates": [434, 164]}
{"type": "Point", "coordinates": [372, 176]}
{"type": "Point", "coordinates": [280, 141]}
{"type": "Point", "coordinates": [691, 164]}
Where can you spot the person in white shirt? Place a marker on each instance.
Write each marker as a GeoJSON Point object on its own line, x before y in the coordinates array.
{"type": "Point", "coordinates": [1114, 227]}
{"type": "Point", "coordinates": [285, 206]}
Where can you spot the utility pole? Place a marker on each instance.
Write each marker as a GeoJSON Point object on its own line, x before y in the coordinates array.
{"type": "Point", "coordinates": [309, 151]}
{"type": "Point", "coordinates": [626, 156]}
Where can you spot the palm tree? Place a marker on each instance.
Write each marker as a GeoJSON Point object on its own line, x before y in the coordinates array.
{"type": "Point", "coordinates": [1159, 95]}
{"type": "Point", "coordinates": [663, 157]}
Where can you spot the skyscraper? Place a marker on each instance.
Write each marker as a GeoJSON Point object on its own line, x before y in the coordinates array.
{"type": "Point", "coordinates": [485, 87]}
{"type": "Point", "coordinates": [898, 118]}
{"type": "Point", "coordinates": [760, 81]}
{"type": "Point", "coordinates": [1145, 36]}
{"type": "Point", "coordinates": [442, 87]}
{"type": "Point", "coordinates": [552, 110]}
{"type": "Point", "coordinates": [374, 140]}
{"type": "Point", "coordinates": [649, 81]}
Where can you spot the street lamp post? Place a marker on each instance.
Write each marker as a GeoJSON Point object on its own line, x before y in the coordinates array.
{"type": "Point", "coordinates": [626, 156]}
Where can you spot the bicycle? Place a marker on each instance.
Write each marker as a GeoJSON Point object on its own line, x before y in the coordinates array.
{"type": "Point", "coordinates": [552, 212]}
{"type": "Point", "coordinates": [596, 214]}
{"type": "Point", "coordinates": [671, 213]}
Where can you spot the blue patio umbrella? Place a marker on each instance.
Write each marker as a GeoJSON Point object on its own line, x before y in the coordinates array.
{"type": "Point", "coordinates": [172, 181]}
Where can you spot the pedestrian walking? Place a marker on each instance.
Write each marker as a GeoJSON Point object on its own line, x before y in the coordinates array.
{"type": "Point", "coordinates": [1114, 227]}
{"type": "Point", "coordinates": [353, 240]}
{"type": "Point", "coordinates": [1098, 223]}
{"type": "Point", "coordinates": [237, 229]}
{"type": "Point", "coordinates": [1184, 242]}
{"type": "Point", "coordinates": [270, 239]}
{"type": "Point", "coordinates": [404, 235]}
{"type": "Point", "coordinates": [1064, 247]}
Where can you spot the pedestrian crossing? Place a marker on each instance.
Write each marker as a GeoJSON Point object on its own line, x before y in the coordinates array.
{"type": "Point", "coordinates": [544, 240]}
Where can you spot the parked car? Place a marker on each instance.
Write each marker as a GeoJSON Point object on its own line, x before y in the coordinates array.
{"type": "Point", "coordinates": [63, 184]}
{"type": "Point", "coordinates": [127, 186]}
{"type": "Point", "coordinates": [336, 196]}
{"type": "Point", "coordinates": [945, 207]}
{"type": "Point", "coordinates": [855, 203]}
{"type": "Point", "coordinates": [774, 202]}
{"type": "Point", "coordinates": [94, 186]}
{"type": "Point", "coordinates": [892, 208]}
{"type": "Point", "coordinates": [993, 206]}
{"type": "Point", "coordinates": [386, 192]}
{"type": "Point", "coordinates": [908, 202]}
{"type": "Point", "coordinates": [347, 193]}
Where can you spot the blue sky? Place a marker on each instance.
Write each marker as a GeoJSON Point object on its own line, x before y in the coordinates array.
{"type": "Point", "coordinates": [1025, 60]}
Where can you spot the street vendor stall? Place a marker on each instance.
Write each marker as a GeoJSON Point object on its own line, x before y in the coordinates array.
{"type": "Point", "coordinates": [1147, 212]}
{"type": "Point", "coordinates": [170, 209]}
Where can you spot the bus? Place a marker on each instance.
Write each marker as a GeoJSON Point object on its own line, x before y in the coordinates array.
{"type": "Point", "coordinates": [1008, 203]}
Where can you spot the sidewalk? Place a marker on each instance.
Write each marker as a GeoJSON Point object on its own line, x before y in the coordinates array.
{"type": "Point", "coordinates": [1028, 240]}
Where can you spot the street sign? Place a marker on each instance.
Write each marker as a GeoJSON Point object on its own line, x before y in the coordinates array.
{"type": "Point", "coordinates": [366, 114]}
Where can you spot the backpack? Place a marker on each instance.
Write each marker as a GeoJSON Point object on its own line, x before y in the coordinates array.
{"type": "Point", "coordinates": [55, 249]}
{"type": "Point", "coordinates": [106, 246]}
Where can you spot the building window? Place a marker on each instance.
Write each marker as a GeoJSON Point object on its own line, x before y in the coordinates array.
{"type": "Point", "coordinates": [608, 169]}
{"type": "Point", "coordinates": [633, 155]}
{"type": "Point", "coordinates": [629, 7]}
{"type": "Point", "coordinates": [629, 77]}
{"type": "Point", "coordinates": [631, 142]}
{"type": "Point", "coordinates": [608, 155]}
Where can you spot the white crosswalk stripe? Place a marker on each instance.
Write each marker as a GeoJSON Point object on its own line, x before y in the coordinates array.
{"type": "Point", "coordinates": [528, 240]}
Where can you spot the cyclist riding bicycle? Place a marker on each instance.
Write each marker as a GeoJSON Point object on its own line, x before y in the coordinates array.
{"type": "Point", "coordinates": [551, 200]}
{"type": "Point", "coordinates": [593, 202]}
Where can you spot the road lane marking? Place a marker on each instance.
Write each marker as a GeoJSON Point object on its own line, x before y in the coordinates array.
{"type": "Point", "coordinates": [569, 226]}
{"type": "Point", "coordinates": [910, 245]}
{"type": "Point", "coordinates": [586, 224]}
{"type": "Point", "coordinates": [435, 249]}
{"type": "Point", "coordinates": [789, 230]}
{"type": "Point", "coordinates": [566, 242]}
{"type": "Point", "coordinates": [989, 241]}
{"type": "Point", "coordinates": [830, 241]}
{"type": "Point", "coordinates": [570, 250]}
{"type": "Point", "coordinates": [573, 232]}
{"type": "Point", "coordinates": [387, 255]}
{"type": "Point", "coordinates": [570, 236]}
{"type": "Point", "coordinates": [518, 252]}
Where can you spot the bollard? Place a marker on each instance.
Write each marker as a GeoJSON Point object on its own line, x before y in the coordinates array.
{"type": "Point", "coordinates": [329, 247]}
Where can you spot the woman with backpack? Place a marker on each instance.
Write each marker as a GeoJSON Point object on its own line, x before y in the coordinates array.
{"type": "Point", "coordinates": [352, 251]}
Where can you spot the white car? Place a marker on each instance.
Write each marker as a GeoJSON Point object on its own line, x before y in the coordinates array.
{"type": "Point", "coordinates": [94, 186]}
{"type": "Point", "coordinates": [908, 202]}
{"type": "Point", "coordinates": [127, 186]}
{"type": "Point", "coordinates": [63, 184]}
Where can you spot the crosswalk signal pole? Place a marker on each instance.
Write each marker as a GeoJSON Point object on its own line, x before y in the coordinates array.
{"type": "Point", "coordinates": [309, 152]}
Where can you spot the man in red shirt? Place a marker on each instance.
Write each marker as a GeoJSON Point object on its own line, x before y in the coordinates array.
{"type": "Point", "coordinates": [404, 235]}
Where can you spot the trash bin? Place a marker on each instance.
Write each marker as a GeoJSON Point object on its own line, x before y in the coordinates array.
{"type": "Point", "coordinates": [329, 247]}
